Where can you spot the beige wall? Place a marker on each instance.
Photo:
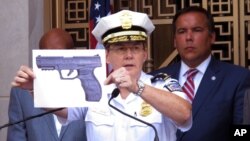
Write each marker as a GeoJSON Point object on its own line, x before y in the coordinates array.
{"type": "Point", "coordinates": [21, 27]}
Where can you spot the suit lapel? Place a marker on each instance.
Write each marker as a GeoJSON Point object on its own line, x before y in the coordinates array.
{"type": "Point", "coordinates": [49, 119]}
{"type": "Point", "coordinates": [175, 71]}
{"type": "Point", "coordinates": [210, 80]}
{"type": "Point", "coordinates": [63, 130]}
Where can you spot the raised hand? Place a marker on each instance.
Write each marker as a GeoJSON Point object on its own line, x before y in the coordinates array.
{"type": "Point", "coordinates": [24, 78]}
{"type": "Point", "coordinates": [122, 79]}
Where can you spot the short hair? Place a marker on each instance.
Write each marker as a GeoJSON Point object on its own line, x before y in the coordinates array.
{"type": "Point", "coordinates": [197, 9]}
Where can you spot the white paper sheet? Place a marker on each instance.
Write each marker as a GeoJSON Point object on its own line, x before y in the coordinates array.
{"type": "Point", "coordinates": [52, 91]}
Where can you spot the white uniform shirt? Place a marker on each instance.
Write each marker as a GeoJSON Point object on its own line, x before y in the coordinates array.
{"type": "Point", "coordinates": [106, 124]}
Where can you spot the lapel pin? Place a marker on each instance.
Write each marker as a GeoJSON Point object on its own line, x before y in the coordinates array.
{"type": "Point", "coordinates": [213, 78]}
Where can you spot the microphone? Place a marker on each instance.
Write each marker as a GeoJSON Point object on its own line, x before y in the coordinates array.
{"type": "Point", "coordinates": [30, 117]}
{"type": "Point", "coordinates": [114, 94]}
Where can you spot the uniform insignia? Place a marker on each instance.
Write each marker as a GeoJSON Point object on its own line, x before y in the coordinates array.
{"type": "Point", "coordinates": [160, 77]}
{"type": "Point", "coordinates": [173, 85]}
{"type": "Point", "coordinates": [126, 20]}
{"type": "Point", "coordinates": [146, 109]}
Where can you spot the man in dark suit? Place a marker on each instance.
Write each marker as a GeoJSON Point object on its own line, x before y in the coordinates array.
{"type": "Point", "coordinates": [246, 115]}
{"type": "Point", "coordinates": [21, 106]}
{"type": "Point", "coordinates": [219, 87]}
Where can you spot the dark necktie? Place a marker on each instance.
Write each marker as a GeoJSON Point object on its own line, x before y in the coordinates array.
{"type": "Point", "coordinates": [188, 86]}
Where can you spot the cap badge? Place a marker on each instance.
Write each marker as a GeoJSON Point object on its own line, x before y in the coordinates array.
{"type": "Point", "coordinates": [126, 20]}
{"type": "Point", "coordinates": [146, 109]}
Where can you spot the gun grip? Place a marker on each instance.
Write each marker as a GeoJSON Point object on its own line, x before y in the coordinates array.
{"type": "Point", "coordinates": [90, 85]}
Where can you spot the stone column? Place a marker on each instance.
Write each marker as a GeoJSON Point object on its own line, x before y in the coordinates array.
{"type": "Point", "coordinates": [21, 27]}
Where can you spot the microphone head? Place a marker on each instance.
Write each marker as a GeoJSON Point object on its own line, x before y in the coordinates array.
{"type": "Point", "coordinates": [115, 93]}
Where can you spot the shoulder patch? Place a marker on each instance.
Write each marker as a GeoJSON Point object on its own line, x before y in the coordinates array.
{"type": "Point", "coordinates": [160, 77]}
{"type": "Point", "coordinates": [173, 85]}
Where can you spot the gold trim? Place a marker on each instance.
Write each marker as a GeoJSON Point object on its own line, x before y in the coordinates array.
{"type": "Point", "coordinates": [124, 33]}
{"type": "Point", "coordinates": [126, 38]}
{"type": "Point", "coordinates": [242, 44]}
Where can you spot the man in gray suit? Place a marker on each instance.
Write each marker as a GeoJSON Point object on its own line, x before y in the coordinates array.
{"type": "Point", "coordinates": [21, 106]}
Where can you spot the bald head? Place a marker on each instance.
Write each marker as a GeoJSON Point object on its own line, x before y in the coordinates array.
{"type": "Point", "coordinates": [56, 39]}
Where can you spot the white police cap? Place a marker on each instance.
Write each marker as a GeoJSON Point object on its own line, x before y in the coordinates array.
{"type": "Point", "coordinates": [123, 26]}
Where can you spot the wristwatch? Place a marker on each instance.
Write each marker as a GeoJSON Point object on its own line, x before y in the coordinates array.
{"type": "Point", "coordinates": [141, 87]}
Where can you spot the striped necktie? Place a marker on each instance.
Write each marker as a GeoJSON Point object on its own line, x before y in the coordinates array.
{"type": "Point", "coordinates": [188, 86]}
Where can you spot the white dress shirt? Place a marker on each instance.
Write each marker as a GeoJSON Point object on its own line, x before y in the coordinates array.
{"type": "Point", "coordinates": [197, 79]}
{"type": "Point", "coordinates": [58, 125]}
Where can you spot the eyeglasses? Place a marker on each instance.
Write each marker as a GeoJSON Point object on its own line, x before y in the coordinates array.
{"type": "Point", "coordinates": [123, 49]}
